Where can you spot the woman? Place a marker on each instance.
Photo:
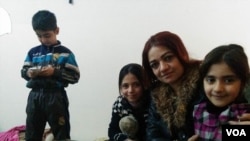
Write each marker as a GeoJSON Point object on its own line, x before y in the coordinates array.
{"type": "Point", "coordinates": [129, 112]}
{"type": "Point", "coordinates": [173, 76]}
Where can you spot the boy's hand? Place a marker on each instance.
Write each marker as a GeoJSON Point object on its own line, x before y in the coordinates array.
{"type": "Point", "coordinates": [32, 73]}
{"type": "Point", "coordinates": [47, 71]}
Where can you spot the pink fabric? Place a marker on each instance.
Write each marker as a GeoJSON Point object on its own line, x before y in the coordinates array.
{"type": "Point", "coordinates": [12, 134]}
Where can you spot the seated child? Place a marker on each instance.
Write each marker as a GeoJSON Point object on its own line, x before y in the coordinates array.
{"type": "Point", "coordinates": [223, 74]}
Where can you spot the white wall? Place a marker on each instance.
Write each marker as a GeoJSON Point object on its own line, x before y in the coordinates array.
{"type": "Point", "coordinates": [105, 35]}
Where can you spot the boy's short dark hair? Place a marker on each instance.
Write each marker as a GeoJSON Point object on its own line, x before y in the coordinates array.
{"type": "Point", "coordinates": [44, 20]}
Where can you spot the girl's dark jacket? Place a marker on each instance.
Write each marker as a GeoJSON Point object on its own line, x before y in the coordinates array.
{"type": "Point", "coordinates": [122, 108]}
{"type": "Point", "coordinates": [170, 116]}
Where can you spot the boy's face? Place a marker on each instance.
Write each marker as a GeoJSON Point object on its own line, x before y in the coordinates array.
{"type": "Point", "coordinates": [48, 37]}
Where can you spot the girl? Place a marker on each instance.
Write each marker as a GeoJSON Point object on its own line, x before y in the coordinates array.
{"type": "Point", "coordinates": [131, 105]}
{"type": "Point", "coordinates": [223, 74]}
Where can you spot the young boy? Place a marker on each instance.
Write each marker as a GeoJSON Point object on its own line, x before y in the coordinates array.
{"type": "Point", "coordinates": [48, 69]}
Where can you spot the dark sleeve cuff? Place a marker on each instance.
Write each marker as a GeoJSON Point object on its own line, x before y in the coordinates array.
{"type": "Point", "coordinates": [24, 73]}
{"type": "Point", "coordinates": [57, 73]}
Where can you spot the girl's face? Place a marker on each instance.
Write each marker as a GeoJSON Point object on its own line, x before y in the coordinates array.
{"type": "Point", "coordinates": [131, 88]}
{"type": "Point", "coordinates": [165, 65]}
{"type": "Point", "coordinates": [221, 85]}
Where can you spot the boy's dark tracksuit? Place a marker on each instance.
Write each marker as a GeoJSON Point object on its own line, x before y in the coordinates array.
{"type": "Point", "coordinates": [47, 99]}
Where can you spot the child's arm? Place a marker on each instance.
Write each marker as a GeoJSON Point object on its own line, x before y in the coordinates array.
{"type": "Point", "coordinates": [244, 119]}
{"type": "Point", "coordinates": [68, 72]}
{"type": "Point", "coordinates": [27, 64]}
{"type": "Point", "coordinates": [24, 73]}
{"type": "Point", "coordinates": [193, 138]}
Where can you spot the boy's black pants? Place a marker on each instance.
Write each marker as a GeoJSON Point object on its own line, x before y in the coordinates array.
{"type": "Point", "coordinates": [47, 105]}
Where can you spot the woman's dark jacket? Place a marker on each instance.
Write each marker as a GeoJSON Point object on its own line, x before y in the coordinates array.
{"type": "Point", "coordinates": [170, 116]}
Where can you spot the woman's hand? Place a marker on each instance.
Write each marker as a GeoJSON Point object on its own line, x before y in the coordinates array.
{"type": "Point", "coordinates": [244, 119]}
{"type": "Point", "coordinates": [193, 138]}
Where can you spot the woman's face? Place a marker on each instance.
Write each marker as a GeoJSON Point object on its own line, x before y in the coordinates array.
{"type": "Point", "coordinates": [165, 65]}
{"type": "Point", "coordinates": [221, 85]}
{"type": "Point", "coordinates": [131, 88]}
